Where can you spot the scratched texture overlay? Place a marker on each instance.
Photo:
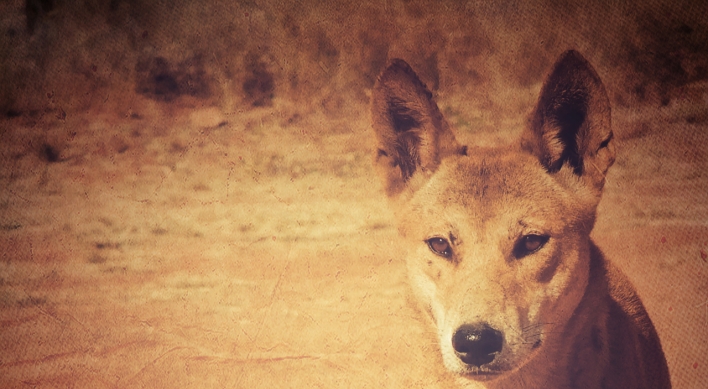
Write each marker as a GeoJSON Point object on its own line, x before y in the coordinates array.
{"type": "Point", "coordinates": [187, 198]}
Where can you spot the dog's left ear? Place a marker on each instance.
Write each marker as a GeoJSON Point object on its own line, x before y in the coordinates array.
{"type": "Point", "coordinates": [570, 127]}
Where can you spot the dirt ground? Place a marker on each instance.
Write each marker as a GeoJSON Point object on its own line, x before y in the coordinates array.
{"type": "Point", "coordinates": [244, 242]}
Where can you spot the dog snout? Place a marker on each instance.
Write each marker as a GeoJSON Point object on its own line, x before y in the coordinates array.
{"type": "Point", "coordinates": [477, 344]}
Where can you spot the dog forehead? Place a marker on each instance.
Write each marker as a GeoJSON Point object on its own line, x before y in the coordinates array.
{"type": "Point", "coordinates": [488, 182]}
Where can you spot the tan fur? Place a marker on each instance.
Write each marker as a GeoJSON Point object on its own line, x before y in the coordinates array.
{"type": "Point", "coordinates": [499, 254]}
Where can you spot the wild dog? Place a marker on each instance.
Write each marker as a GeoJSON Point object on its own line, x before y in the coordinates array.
{"type": "Point", "coordinates": [499, 253]}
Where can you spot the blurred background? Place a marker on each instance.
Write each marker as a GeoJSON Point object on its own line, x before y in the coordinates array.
{"type": "Point", "coordinates": [325, 56]}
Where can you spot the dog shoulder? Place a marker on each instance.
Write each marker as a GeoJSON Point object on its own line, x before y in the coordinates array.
{"type": "Point", "coordinates": [632, 339]}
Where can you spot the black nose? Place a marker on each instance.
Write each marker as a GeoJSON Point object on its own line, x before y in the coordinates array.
{"type": "Point", "coordinates": [477, 344]}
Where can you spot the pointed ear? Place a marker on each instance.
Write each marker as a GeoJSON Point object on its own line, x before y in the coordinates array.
{"type": "Point", "coordinates": [412, 135]}
{"type": "Point", "coordinates": [570, 127]}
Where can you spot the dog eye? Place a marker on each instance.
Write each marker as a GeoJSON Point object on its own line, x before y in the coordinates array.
{"type": "Point", "coordinates": [529, 244]}
{"type": "Point", "coordinates": [440, 246]}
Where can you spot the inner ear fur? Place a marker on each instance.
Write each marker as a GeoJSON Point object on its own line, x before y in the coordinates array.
{"type": "Point", "coordinates": [412, 135]}
{"type": "Point", "coordinates": [571, 125]}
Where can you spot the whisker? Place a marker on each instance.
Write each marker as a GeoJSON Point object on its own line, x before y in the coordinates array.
{"type": "Point", "coordinates": [537, 334]}
{"type": "Point", "coordinates": [536, 325]}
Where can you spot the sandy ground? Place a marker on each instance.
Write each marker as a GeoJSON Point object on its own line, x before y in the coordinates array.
{"type": "Point", "coordinates": [160, 253]}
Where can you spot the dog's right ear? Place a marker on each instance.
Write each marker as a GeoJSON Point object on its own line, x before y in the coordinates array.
{"type": "Point", "coordinates": [413, 137]}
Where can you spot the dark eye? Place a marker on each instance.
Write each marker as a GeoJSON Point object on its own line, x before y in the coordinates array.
{"type": "Point", "coordinates": [529, 244]}
{"type": "Point", "coordinates": [440, 246]}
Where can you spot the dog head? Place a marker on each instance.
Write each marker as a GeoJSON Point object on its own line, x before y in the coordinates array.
{"type": "Point", "coordinates": [498, 246]}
